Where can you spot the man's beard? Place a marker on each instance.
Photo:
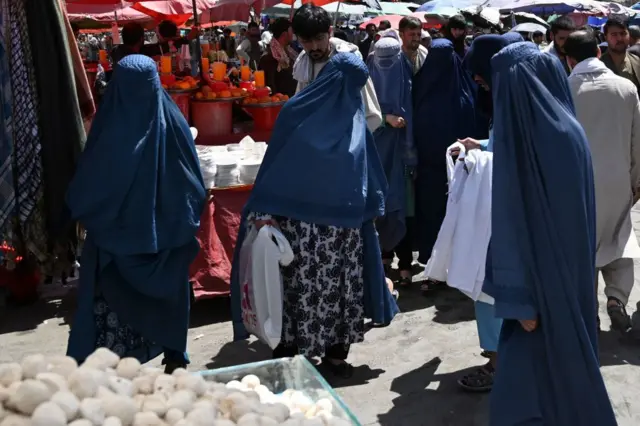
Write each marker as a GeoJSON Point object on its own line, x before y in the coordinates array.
{"type": "Point", "coordinates": [619, 48]}
{"type": "Point", "coordinates": [317, 55]}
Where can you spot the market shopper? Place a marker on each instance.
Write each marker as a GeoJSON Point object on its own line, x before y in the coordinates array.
{"type": "Point", "coordinates": [132, 41]}
{"type": "Point", "coordinates": [251, 48]}
{"type": "Point", "coordinates": [542, 249]}
{"type": "Point", "coordinates": [277, 62]}
{"type": "Point", "coordinates": [391, 74]}
{"type": "Point", "coordinates": [312, 25]}
{"type": "Point", "coordinates": [444, 106]}
{"type": "Point", "coordinates": [560, 29]}
{"type": "Point", "coordinates": [322, 186]}
{"type": "Point", "coordinates": [601, 97]}
{"type": "Point", "coordinates": [138, 192]}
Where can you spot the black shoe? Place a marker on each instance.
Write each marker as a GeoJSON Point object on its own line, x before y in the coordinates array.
{"type": "Point", "coordinates": [171, 366]}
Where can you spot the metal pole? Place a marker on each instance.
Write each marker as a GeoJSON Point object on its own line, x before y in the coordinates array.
{"type": "Point", "coordinates": [335, 17]}
{"type": "Point", "coordinates": [198, 48]}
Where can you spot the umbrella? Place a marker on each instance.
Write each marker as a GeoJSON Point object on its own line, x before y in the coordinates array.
{"type": "Point", "coordinates": [522, 17]}
{"type": "Point", "coordinates": [394, 20]}
{"type": "Point", "coordinates": [529, 27]}
{"type": "Point", "coordinates": [178, 11]}
{"type": "Point", "coordinates": [393, 8]}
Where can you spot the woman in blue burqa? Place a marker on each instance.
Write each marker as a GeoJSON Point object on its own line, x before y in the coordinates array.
{"type": "Point", "coordinates": [443, 107]}
{"type": "Point", "coordinates": [323, 185]}
{"type": "Point", "coordinates": [391, 75]}
{"type": "Point", "coordinates": [138, 192]}
{"type": "Point", "coordinates": [478, 62]}
{"type": "Point", "coordinates": [542, 249]}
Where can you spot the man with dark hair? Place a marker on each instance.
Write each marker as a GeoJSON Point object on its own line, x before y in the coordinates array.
{"type": "Point", "coordinates": [251, 48]}
{"type": "Point", "coordinates": [132, 41]}
{"type": "Point", "coordinates": [168, 37]}
{"type": "Point", "coordinates": [311, 24]}
{"type": "Point", "coordinates": [560, 30]}
{"type": "Point", "coordinates": [384, 25]}
{"type": "Point", "coordinates": [228, 43]}
{"type": "Point", "coordinates": [411, 35]}
{"type": "Point", "coordinates": [616, 57]}
{"type": "Point", "coordinates": [456, 31]}
{"type": "Point", "coordinates": [277, 62]}
{"type": "Point", "coordinates": [538, 38]}
{"type": "Point", "coordinates": [365, 44]}
{"type": "Point", "coordinates": [600, 96]}
{"type": "Point", "coordinates": [634, 40]}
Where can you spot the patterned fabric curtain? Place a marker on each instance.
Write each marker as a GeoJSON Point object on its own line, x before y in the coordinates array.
{"type": "Point", "coordinates": [7, 192]}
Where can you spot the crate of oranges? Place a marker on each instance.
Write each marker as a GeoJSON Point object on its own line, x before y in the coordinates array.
{"type": "Point", "coordinates": [187, 84]}
{"type": "Point", "coordinates": [265, 101]}
{"type": "Point", "coordinates": [223, 94]}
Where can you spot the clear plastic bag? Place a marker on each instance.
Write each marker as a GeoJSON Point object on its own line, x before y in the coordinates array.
{"type": "Point", "coordinates": [261, 255]}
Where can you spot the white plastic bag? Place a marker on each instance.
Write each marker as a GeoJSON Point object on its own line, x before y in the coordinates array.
{"type": "Point", "coordinates": [261, 255]}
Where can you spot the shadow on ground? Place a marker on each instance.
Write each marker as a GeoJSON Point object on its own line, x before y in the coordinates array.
{"type": "Point", "coordinates": [436, 399]}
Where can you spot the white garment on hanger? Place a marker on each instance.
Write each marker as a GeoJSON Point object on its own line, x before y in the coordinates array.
{"type": "Point", "coordinates": [460, 252]}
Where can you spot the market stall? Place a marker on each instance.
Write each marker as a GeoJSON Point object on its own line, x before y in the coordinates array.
{"type": "Point", "coordinates": [105, 389]}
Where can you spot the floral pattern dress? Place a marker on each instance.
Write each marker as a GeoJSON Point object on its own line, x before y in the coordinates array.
{"type": "Point", "coordinates": [323, 286]}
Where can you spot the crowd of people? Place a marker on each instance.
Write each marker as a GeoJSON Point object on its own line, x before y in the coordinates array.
{"type": "Point", "coordinates": [355, 175]}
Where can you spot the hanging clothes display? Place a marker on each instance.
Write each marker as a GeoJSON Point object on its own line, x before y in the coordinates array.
{"type": "Point", "coordinates": [7, 192]}
{"type": "Point", "coordinates": [62, 131]}
{"type": "Point", "coordinates": [27, 164]}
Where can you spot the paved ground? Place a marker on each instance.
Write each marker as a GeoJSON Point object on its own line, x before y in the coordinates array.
{"type": "Point", "coordinates": [406, 374]}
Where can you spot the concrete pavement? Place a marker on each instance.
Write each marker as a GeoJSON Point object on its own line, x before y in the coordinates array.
{"type": "Point", "coordinates": [406, 373]}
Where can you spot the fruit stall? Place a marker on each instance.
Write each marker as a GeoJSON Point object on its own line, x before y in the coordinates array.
{"type": "Point", "coordinates": [234, 113]}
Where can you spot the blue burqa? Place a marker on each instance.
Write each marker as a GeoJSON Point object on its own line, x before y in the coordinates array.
{"type": "Point", "coordinates": [321, 167]}
{"type": "Point", "coordinates": [543, 249]}
{"type": "Point", "coordinates": [138, 192]}
{"type": "Point", "coordinates": [391, 75]}
{"type": "Point", "coordinates": [443, 107]}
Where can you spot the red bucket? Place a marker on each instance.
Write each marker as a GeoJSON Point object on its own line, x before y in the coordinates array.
{"type": "Point", "coordinates": [183, 100]}
{"type": "Point", "coordinates": [264, 117]}
{"type": "Point", "coordinates": [212, 117]}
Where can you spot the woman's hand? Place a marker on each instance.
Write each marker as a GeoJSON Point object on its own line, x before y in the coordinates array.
{"type": "Point", "coordinates": [395, 121]}
{"type": "Point", "coordinates": [529, 325]}
{"type": "Point", "coordinates": [470, 143]}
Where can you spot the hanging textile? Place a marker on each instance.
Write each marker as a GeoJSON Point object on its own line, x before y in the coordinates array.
{"type": "Point", "coordinates": [61, 122]}
{"type": "Point", "coordinates": [83, 89]}
{"type": "Point", "coordinates": [27, 164]}
{"type": "Point", "coordinates": [7, 192]}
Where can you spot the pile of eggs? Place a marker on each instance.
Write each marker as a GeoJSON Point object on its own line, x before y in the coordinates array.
{"type": "Point", "coordinates": [109, 391]}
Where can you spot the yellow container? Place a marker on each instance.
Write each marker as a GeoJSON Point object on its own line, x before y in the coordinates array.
{"type": "Point", "coordinates": [219, 71]}
{"type": "Point", "coordinates": [165, 64]}
{"type": "Point", "coordinates": [245, 73]}
{"type": "Point", "coordinates": [205, 65]}
{"type": "Point", "coordinates": [258, 77]}
{"type": "Point", "coordinates": [103, 56]}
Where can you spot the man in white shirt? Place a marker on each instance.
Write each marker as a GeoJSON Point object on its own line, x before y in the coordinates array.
{"type": "Point", "coordinates": [607, 107]}
{"type": "Point", "coordinates": [251, 48]}
{"type": "Point", "coordinates": [312, 25]}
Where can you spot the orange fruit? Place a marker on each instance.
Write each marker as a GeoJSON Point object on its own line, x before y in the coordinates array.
{"type": "Point", "coordinates": [236, 93]}
{"type": "Point", "coordinates": [184, 86]}
{"type": "Point", "coordinates": [206, 89]}
{"type": "Point", "coordinates": [264, 100]}
{"type": "Point", "coordinates": [165, 87]}
{"type": "Point", "coordinates": [199, 95]}
{"type": "Point", "coordinates": [275, 99]}
{"type": "Point", "coordinates": [285, 97]}
{"type": "Point", "coordinates": [225, 94]}
{"type": "Point", "coordinates": [211, 95]}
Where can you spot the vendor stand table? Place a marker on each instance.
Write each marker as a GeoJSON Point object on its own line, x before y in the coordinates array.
{"type": "Point", "coordinates": [210, 272]}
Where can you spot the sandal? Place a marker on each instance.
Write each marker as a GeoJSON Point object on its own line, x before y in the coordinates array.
{"type": "Point", "coordinates": [430, 286]}
{"type": "Point", "coordinates": [620, 320]}
{"type": "Point", "coordinates": [480, 380]}
{"type": "Point", "coordinates": [342, 369]}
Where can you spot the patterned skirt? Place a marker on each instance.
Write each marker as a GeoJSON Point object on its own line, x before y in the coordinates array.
{"type": "Point", "coordinates": [323, 286]}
